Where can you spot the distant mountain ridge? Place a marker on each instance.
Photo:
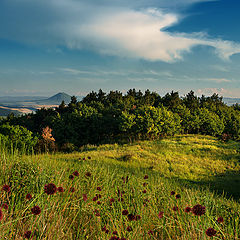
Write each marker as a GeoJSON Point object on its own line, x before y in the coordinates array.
{"type": "Point", "coordinates": [56, 99]}
{"type": "Point", "coordinates": [231, 101]}
{"type": "Point", "coordinates": [14, 99]}
{"type": "Point", "coordinates": [28, 104]}
{"type": "Point", "coordinates": [5, 112]}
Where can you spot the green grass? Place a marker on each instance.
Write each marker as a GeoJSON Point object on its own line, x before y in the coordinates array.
{"type": "Point", "coordinates": [202, 169]}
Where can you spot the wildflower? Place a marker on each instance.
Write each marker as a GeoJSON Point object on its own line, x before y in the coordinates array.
{"type": "Point", "coordinates": [89, 158]}
{"type": "Point", "coordinates": [125, 180]}
{"type": "Point", "coordinates": [137, 217]}
{"type": "Point", "coordinates": [145, 201]}
{"type": "Point", "coordinates": [172, 193]}
{"type": "Point", "coordinates": [123, 238]}
{"type": "Point", "coordinates": [144, 184]}
{"type": "Point", "coordinates": [36, 210]}
{"type": "Point", "coordinates": [121, 199]}
{"type": "Point", "coordinates": [131, 217]}
{"type": "Point", "coordinates": [125, 212]}
{"type": "Point", "coordinates": [88, 174]}
{"type": "Point", "coordinates": [160, 215]}
{"type": "Point", "coordinates": [178, 196]}
{"type": "Point", "coordinates": [76, 173]}
{"type": "Point", "coordinates": [211, 232]}
{"type": "Point", "coordinates": [98, 196]}
{"type": "Point", "coordinates": [220, 220]}
{"type": "Point", "coordinates": [94, 199]}
{"type": "Point", "coordinates": [28, 234]}
{"type": "Point", "coordinates": [114, 233]}
{"type": "Point", "coordinates": [129, 229]}
{"type": "Point", "coordinates": [198, 210]}
{"type": "Point", "coordinates": [104, 229]}
{"type": "Point", "coordinates": [187, 209]}
{"type": "Point", "coordinates": [97, 213]}
{"type": "Point", "coordinates": [28, 196]}
{"type": "Point", "coordinates": [6, 188]}
{"type": "Point", "coordinates": [150, 232]}
{"type": "Point", "coordinates": [71, 177]}
{"type": "Point", "coordinates": [112, 200]}
{"type": "Point", "coordinates": [114, 238]}
{"type": "Point", "coordinates": [1, 215]}
{"type": "Point", "coordinates": [144, 191]}
{"type": "Point", "coordinates": [5, 206]}
{"type": "Point", "coordinates": [72, 189]}
{"type": "Point", "coordinates": [146, 177]}
{"type": "Point", "coordinates": [99, 189]}
{"type": "Point", "coordinates": [84, 159]}
{"type": "Point", "coordinates": [60, 189]}
{"type": "Point", "coordinates": [98, 202]}
{"type": "Point", "coordinates": [175, 208]}
{"type": "Point", "coordinates": [107, 231]}
{"type": "Point", "coordinates": [50, 188]}
{"type": "Point", "coordinates": [85, 197]}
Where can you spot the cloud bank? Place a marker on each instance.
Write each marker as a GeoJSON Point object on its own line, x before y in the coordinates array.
{"type": "Point", "coordinates": [232, 93]}
{"type": "Point", "coordinates": [116, 28]}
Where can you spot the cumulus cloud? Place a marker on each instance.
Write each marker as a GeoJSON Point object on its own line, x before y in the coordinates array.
{"type": "Point", "coordinates": [107, 27]}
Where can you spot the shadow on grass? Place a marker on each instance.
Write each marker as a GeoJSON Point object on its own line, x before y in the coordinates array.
{"type": "Point", "coordinates": [227, 184]}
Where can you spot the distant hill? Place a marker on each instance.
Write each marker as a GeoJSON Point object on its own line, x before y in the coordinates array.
{"type": "Point", "coordinates": [14, 99]}
{"type": "Point", "coordinates": [231, 101]}
{"type": "Point", "coordinates": [5, 112]}
{"type": "Point", "coordinates": [28, 104]}
{"type": "Point", "coordinates": [56, 99]}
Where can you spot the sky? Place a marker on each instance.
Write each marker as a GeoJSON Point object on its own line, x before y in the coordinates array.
{"type": "Point", "coordinates": [78, 46]}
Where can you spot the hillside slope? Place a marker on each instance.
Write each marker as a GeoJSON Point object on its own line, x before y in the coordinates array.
{"type": "Point", "coordinates": [56, 99]}
{"type": "Point", "coordinates": [145, 190]}
{"type": "Point", "coordinates": [193, 159]}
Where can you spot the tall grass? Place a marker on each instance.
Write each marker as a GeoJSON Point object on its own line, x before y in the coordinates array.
{"type": "Point", "coordinates": [120, 173]}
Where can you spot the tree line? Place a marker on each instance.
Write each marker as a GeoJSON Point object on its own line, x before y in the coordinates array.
{"type": "Point", "coordinates": [114, 117]}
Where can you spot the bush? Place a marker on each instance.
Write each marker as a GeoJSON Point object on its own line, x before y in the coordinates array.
{"type": "Point", "coordinates": [68, 147]}
{"type": "Point", "coordinates": [17, 137]}
{"type": "Point", "coordinates": [149, 122]}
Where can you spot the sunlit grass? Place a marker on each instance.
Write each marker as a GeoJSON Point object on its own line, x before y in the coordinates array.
{"type": "Point", "coordinates": [188, 165]}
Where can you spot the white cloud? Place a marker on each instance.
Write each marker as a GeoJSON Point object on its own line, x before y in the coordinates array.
{"type": "Point", "coordinates": [220, 68]}
{"type": "Point", "coordinates": [187, 78]}
{"type": "Point", "coordinates": [160, 73]}
{"type": "Point", "coordinates": [233, 93]}
{"type": "Point", "coordinates": [145, 79]}
{"type": "Point", "coordinates": [108, 27]}
{"type": "Point", "coordinates": [218, 80]}
{"type": "Point", "coordinates": [140, 34]}
{"type": "Point", "coordinates": [75, 71]}
{"type": "Point", "coordinates": [94, 72]}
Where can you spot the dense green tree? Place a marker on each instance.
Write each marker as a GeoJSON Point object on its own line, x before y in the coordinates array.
{"type": "Point", "coordinates": [101, 118]}
{"type": "Point", "coordinates": [171, 100]}
{"type": "Point", "coordinates": [17, 137]}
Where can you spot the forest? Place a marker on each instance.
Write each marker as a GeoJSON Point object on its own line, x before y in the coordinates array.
{"type": "Point", "coordinates": [113, 117]}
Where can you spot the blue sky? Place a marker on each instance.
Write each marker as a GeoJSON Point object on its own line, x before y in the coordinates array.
{"type": "Point", "coordinates": [77, 46]}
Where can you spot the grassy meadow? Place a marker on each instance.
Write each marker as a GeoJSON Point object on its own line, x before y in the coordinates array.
{"type": "Point", "coordinates": [131, 191]}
